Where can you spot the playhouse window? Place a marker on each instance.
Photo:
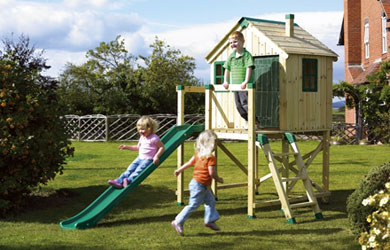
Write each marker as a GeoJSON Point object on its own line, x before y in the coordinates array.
{"type": "Point", "coordinates": [218, 72]}
{"type": "Point", "coordinates": [309, 75]}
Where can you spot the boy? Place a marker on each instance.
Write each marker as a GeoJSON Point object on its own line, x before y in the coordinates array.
{"type": "Point", "coordinates": [240, 64]}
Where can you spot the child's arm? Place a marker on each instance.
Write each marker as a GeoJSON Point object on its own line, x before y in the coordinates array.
{"type": "Point", "coordinates": [213, 173]}
{"type": "Point", "coordinates": [247, 77]}
{"type": "Point", "coordinates": [225, 79]}
{"type": "Point", "coordinates": [132, 148]}
{"type": "Point", "coordinates": [185, 166]}
{"type": "Point", "coordinates": [160, 151]}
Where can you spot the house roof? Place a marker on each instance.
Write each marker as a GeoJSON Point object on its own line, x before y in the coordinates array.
{"type": "Point", "coordinates": [362, 77]}
{"type": "Point", "coordinates": [341, 36]}
{"type": "Point", "coordinates": [386, 7]}
{"type": "Point", "coordinates": [302, 42]}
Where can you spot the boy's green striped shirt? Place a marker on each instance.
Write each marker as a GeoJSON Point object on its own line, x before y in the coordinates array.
{"type": "Point", "coordinates": [238, 65]}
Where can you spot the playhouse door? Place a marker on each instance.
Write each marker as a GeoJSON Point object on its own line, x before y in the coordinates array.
{"type": "Point", "coordinates": [266, 78]}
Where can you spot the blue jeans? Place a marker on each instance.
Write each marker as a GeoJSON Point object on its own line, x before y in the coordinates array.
{"type": "Point", "coordinates": [134, 169]}
{"type": "Point", "coordinates": [199, 194]}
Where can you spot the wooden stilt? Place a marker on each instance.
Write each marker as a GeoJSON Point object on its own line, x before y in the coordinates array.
{"type": "Point", "coordinates": [251, 150]}
{"type": "Point", "coordinates": [180, 149]}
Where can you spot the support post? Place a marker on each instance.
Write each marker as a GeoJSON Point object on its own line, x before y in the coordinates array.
{"type": "Point", "coordinates": [180, 149]}
{"type": "Point", "coordinates": [325, 163]}
{"type": "Point", "coordinates": [285, 162]}
{"type": "Point", "coordinates": [208, 125]}
{"type": "Point", "coordinates": [257, 181]}
{"type": "Point", "coordinates": [251, 150]}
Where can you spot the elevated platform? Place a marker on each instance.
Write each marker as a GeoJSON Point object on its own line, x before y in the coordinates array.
{"type": "Point", "coordinates": [242, 134]}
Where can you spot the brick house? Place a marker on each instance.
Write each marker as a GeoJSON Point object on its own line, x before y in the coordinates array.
{"type": "Point", "coordinates": [365, 36]}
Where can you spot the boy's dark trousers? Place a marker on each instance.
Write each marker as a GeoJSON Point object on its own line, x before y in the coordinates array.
{"type": "Point", "coordinates": [241, 99]}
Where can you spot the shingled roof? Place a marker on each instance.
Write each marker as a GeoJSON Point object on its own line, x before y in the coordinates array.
{"type": "Point", "coordinates": [302, 42]}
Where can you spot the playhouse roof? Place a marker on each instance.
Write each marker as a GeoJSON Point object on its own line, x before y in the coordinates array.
{"type": "Point", "coordinates": [302, 42]}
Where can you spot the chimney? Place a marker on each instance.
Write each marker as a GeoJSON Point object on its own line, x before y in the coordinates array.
{"type": "Point", "coordinates": [290, 25]}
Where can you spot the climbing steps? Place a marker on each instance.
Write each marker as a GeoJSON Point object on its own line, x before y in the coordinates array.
{"type": "Point", "coordinates": [281, 183]}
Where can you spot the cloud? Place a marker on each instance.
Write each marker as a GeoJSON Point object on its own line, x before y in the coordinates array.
{"type": "Point", "coordinates": [67, 29]}
{"type": "Point", "coordinates": [57, 59]}
{"type": "Point", "coordinates": [137, 43]}
{"type": "Point", "coordinates": [58, 26]}
{"type": "Point", "coordinates": [198, 40]}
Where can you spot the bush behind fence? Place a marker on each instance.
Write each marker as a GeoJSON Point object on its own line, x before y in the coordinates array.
{"type": "Point", "coordinates": [123, 127]}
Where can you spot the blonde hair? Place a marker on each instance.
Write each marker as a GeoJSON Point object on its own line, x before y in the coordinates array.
{"type": "Point", "coordinates": [237, 35]}
{"type": "Point", "coordinates": [206, 143]}
{"type": "Point", "coordinates": [146, 122]}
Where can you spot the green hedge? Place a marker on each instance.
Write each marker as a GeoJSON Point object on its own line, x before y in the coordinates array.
{"type": "Point", "coordinates": [371, 183]}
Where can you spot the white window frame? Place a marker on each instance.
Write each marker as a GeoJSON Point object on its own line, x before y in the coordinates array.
{"type": "Point", "coordinates": [366, 39]}
{"type": "Point", "coordinates": [384, 34]}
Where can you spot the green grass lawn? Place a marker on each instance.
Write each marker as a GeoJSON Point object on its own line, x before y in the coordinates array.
{"type": "Point", "coordinates": [142, 220]}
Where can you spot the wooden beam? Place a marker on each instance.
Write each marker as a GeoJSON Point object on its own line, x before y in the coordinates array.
{"type": "Point", "coordinates": [232, 157]}
{"type": "Point", "coordinates": [194, 89]}
{"type": "Point", "coordinates": [220, 109]}
{"type": "Point", "coordinates": [180, 149]}
{"type": "Point", "coordinates": [251, 150]}
{"type": "Point", "coordinates": [291, 200]}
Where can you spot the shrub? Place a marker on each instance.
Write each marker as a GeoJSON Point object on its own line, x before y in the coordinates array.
{"type": "Point", "coordinates": [378, 237]}
{"type": "Point", "coordinates": [371, 183]}
{"type": "Point", "coordinates": [33, 140]}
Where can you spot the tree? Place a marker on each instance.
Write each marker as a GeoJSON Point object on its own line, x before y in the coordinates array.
{"type": "Point", "coordinates": [165, 69]}
{"type": "Point", "coordinates": [104, 84]}
{"type": "Point", "coordinates": [33, 140]}
{"type": "Point", "coordinates": [371, 102]}
{"type": "Point", "coordinates": [109, 82]}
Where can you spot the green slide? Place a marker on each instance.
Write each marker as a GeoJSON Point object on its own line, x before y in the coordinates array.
{"type": "Point", "coordinates": [90, 216]}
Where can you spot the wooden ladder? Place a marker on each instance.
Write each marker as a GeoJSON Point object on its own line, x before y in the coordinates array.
{"type": "Point", "coordinates": [263, 143]}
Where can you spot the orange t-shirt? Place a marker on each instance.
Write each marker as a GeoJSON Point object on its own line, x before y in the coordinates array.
{"type": "Point", "coordinates": [201, 169]}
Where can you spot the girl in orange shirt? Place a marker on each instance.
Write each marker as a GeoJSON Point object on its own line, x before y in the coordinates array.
{"type": "Point", "coordinates": [204, 171]}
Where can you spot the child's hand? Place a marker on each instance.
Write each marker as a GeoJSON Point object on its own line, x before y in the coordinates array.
{"type": "Point", "coordinates": [243, 85]}
{"type": "Point", "coordinates": [123, 146]}
{"type": "Point", "coordinates": [220, 180]}
{"type": "Point", "coordinates": [156, 160]}
{"type": "Point", "coordinates": [176, 173]}
{"type": "Point", "coordinates": [226, 85]}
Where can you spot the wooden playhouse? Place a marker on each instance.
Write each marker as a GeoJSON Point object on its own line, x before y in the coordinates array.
{"type": "Point", "coordinates": [291, 92]}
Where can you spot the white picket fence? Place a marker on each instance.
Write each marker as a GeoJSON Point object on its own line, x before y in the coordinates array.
{"type": "Point", "coordinates": [119, 127]}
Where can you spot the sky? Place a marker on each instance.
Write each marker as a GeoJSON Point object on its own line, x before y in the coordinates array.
{"type": "Point", "coordinates": [67, 29]}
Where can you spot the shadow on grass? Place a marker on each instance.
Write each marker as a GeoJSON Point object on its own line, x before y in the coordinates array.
{"type": "Point", "coordinates": [264, 233]}
{"type": "Point", "coordinates": [199, 214]}
{"type": "Point", "coordinates": [65, 203]}
{"type": "Point", "coordinates": [337, 201]}
{"type": "Point", "coordinates": [350, 162]}
{"type": "Point", "coordinates": [55, 206]}
{"type": "Point", "coordinates": [53, 246]}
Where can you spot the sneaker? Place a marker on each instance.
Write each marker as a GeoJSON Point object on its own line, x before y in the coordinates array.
{"type": "Point", "coordinates": [126, 182]}
{"type": "Point", "coordinates": [212, 225]}
{"type": "Point", "coordinates": [177, 227]}
{"type": "Point", "coordinates": [115, 184]}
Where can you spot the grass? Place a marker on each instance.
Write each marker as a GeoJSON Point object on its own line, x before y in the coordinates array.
{"type": "Point", "coordinates": [142, 220]}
